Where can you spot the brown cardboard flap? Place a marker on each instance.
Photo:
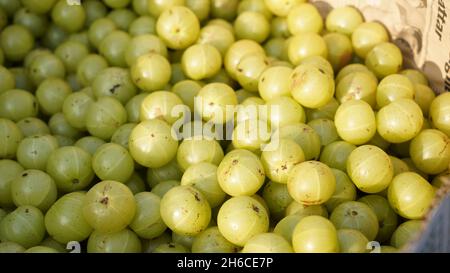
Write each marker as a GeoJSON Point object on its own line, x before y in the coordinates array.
{"type": "Point", "coordinates": [418, 27]}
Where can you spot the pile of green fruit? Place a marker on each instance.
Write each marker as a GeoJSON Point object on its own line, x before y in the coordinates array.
{"type": "Point", "coordinates": [88, 155]}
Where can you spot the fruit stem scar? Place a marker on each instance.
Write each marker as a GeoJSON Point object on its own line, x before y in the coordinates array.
{"type": "Point", "coordinates": [104, 200]}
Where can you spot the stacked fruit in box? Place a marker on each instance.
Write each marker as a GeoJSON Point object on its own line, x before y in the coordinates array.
{"type": "Point", "coordinates": [130, 126]}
